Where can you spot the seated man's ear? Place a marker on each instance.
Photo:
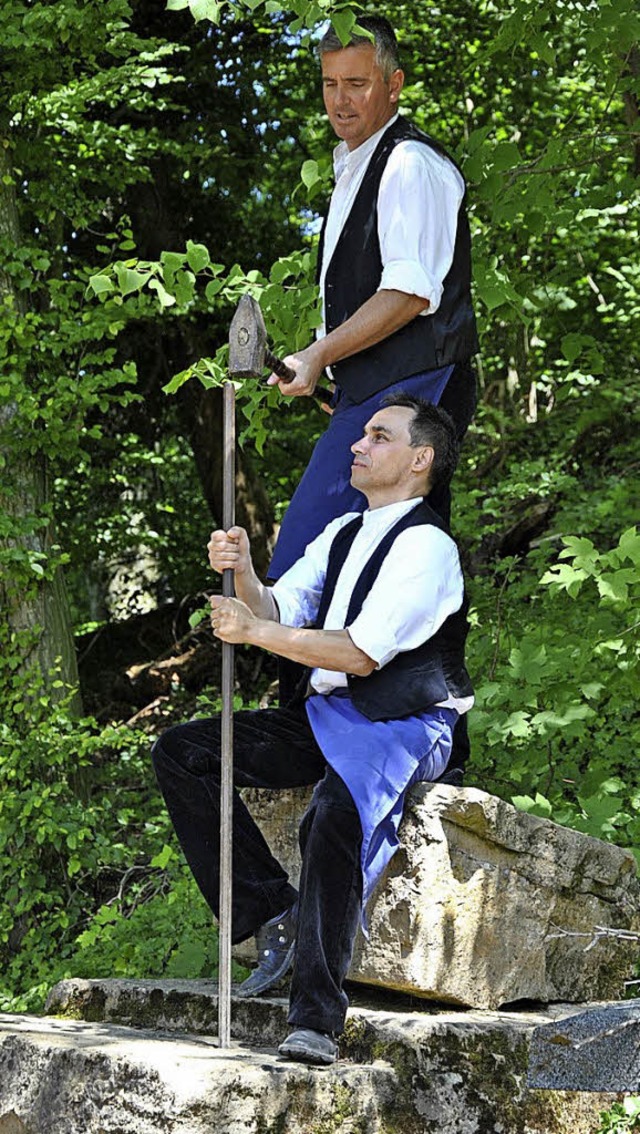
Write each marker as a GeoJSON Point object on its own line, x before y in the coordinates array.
{"type": "Point", "coordinates": [423, 459]}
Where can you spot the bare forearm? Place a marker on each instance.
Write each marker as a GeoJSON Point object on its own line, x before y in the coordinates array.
{"type": "Point", "coordinates": [258, 598]}
{"type": "Point", "coordinates": [327, 649]}
{"type": "Point", "coordinates": [381, 315]}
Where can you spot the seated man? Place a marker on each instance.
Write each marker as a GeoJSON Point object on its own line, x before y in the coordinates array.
{"type": "Point", "coordinates": [375, 610]}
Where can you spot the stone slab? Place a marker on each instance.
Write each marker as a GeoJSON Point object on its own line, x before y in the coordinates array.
{"type": "Point", "coordinates": [401, 1070]}
{"type": "Point", "coordinates": [597, 1050]}
{"type": "Point", "coordinates": [68, 1077]}
{"type": "Point", "coordinates": [472, 908]}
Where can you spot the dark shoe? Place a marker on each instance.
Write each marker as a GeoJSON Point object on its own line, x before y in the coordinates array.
{"type": "Point", "coordinates": [275, 942]}
{"type": "Point", "coordinates": [308, 1046]}
{"type": "Point", "coordinates": [452, 776]}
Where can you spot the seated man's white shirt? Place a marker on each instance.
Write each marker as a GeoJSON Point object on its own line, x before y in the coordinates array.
{"type": "Point", "coordinates": [418, 202]}
{"type": "Point", "coordinates": [419, 585]}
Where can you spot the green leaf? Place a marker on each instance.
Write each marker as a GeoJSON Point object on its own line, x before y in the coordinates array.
{"type": "Point", "coordinates": [505, 156]}
{"type": "Point", "coordinates": [199, 616]}
{"type": "Point", "coordinates": [165, 299]}
{"type": "Point", "coordinates": [100, 285]}
{"type": "Point", "coordinates": [176, 5]}
{"type": "Point", "coordinates": [205, 10]}
{"type": "Point", "coordinates": [172, 262]}
{"type": "Point", "coordinates": [213, 288]}
{"type": "Point", "coordinates": [523, 802]}
{"type": "Point", "coordinates": [197, 256]}
{"type": "Point", "coordinates": [565, 578]}
{"type": "Point", "coordinates": [629, 545]}
{"type": "Point", "coordinates": [517, 724]}
{"type": "Point", "coordinates": [184, 287]}
{"type": "Point", "coordinates": [280, 271]}
{"type": "Point", "coordinates": [176, 382]}
{"type": "Point", "coordinates": [129, 280]}
{"type": "Point", "coordinates": [477, 138]}
{"type": "Point", "coordinates": [615, 585]}
{"type": "Point", "coordinates": [309, 173]}
{"type": "Point", "coordinates": [574, 344]}
{"type": "Point", "coordinates": [163, 858]}
{"type": "Point", "coordinates": [344, 23]}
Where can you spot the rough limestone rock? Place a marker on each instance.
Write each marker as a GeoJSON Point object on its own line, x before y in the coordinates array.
{"type": "Point", "coordinates": [400, 1071]}
{"type": "Point", "coordinates": [596, 1050]}
{"type": "Point", "coordinates": [474, 904]}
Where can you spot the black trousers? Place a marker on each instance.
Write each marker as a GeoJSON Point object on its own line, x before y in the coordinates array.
{"type": "Point", "coordinates": [273, 748]}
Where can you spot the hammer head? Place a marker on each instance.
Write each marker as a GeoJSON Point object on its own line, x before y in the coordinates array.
{"type": "Point", "coordinates": [247, 340]}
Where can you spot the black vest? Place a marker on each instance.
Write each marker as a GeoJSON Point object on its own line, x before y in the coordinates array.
{"type": "Point", "coordinates": [414, 680]}
{"type": "Point", "coordinates": [353, 276]}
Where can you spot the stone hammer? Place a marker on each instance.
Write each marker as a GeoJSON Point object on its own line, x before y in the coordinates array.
{"type": "Point", "coordinates": [248, 350]}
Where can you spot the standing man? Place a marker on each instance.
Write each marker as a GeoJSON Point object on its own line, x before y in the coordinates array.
{"type": "Point", "coordinates": [394, 274]}
{"type": "Point", "coordinates": [375, 611]}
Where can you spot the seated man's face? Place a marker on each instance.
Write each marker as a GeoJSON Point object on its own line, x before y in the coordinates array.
{"type": "Point", "coordinates": [384, 460]}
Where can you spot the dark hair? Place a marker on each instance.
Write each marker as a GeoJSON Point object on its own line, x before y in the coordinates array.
{"type": "Point", "coordinates": [432, 426]}
{"type": "Point", "coordinates": [384, 41]}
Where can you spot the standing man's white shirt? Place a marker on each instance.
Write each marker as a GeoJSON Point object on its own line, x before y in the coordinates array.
{"type": "Point", "coordinates": [418, 202]}
{"type": "Point", "coordinates": [419, 585]}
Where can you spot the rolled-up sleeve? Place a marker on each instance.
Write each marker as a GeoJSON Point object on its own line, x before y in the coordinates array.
{"type": "Point", "coordinates": [419, 586]}
{"type": "Point", "coordinates": [418, 203]}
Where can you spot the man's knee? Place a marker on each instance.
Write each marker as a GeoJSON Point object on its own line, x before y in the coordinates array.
{"type": "Point", "coordinates": [187, 746]}
{"type": "Point", "coordinates": [330, 810]}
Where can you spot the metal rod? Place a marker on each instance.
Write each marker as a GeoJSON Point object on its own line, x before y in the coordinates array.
{"type": "Point", "coordinates": [226, 723]}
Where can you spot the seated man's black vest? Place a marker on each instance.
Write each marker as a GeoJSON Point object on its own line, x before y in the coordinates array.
{"type": "Point", "coordinates": [353, 276]}
{"type": "Point", "coordinates": [415, 680]}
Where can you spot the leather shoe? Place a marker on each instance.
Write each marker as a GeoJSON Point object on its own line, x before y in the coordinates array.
{"type": "Point", "coordinates": [309, 1046]}
{"type": "Point", "coordinates": [275, 944]}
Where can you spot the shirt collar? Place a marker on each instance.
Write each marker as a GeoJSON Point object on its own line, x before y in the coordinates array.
{"type": "Point", "coordinates": [344, 158]}
{"type": "Point", "coordinates": [377, 518]}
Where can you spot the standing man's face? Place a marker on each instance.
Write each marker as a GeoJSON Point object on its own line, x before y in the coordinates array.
{"type": "Point", "coordinates": [357, 98]}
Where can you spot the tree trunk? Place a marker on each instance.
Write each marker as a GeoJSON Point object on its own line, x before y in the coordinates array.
{"type": "Point", "coordinates": [202, 411]}
{"type": "Point", "coordinates": [37, 620]}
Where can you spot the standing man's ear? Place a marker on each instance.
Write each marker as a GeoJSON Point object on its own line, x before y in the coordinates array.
{"type": "Point", "coordinates": [396, 83]}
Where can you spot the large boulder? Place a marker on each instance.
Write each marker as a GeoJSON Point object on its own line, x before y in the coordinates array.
{"type": "Point", "coordinates": [483, 905]}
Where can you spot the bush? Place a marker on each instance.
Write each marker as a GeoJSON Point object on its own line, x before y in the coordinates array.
{"type": "Point", "coordinates": [77, 805]}
{"type": "Point", "coordinates": [558, 662]}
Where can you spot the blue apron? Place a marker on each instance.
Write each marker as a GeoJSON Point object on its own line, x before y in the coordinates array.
{"type": "Point", "coordinates": [379, 761]}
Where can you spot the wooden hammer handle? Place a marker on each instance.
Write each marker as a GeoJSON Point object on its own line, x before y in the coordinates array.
{"type": "Point", "coordinates": [278, 366]}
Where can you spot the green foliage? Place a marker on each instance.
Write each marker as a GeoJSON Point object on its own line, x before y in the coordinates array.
{"type": "Point", "coordinates": [163, 929]}
{"type": "Point", "coordinates": [73, 801]}
{"type": "Point", "coordinates": [556, 698]}
{"type": "Point", "coordinates": [134, 507]}
{"type": "Point", "coordinates": [189, 281]}
{"type": "Point", "coordinates": [622, 1117]}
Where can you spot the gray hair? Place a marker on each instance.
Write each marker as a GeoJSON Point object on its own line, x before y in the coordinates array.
{"type": "Point", "coordinates": [384, 41]}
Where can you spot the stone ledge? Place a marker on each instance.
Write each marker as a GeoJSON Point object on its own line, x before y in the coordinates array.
{"type": "Point", "coordinates": [467, 911]}
{"type": "Point", "coordinates": [414, 1072]}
